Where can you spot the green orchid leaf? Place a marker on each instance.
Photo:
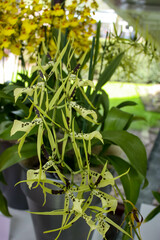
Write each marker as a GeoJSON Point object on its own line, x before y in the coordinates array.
{"type": "Point", "coordinates": [60, 57]}
{"type": "Point", "coordinates": [64, 145]}
{"type": "Point", "coordinates": [61, 42]}
{"type": "Point", "coordinates": [64, 120]}
{"type": "Point", "coordinates": [2, 180]}
{"type": "Point", "coordinates": [97, 48]}
{"type": "Point", "coordinates": [86, 98]}
{"type": "Point", "coordinates": [156, 195]}
{"type": "Point", "coordinates": [126, 103]}
{"type": "Point", "coordinates": [56, 95]}
{"type": "Point", "coordinates": [76, 148]}
{"type": "Point", "coordinates": [50, 135]}
{"type": "Point", "coordinates": [18, 103]}
{"type": "Point", "coordinates": [131, 181]}
{"type": "Point", "coordinates": [39, 143]}
{"type": "Point", "coordinates": [107, 73]}
{"type": "Point", "coordinates": [102, 102]}
{"type": "Point", "coordinates": [10, 156]}
{"type": "Point", "coordinates": [132, 146]}
{"type": "Point", "coordinates": [3, 205]}
{"type": "Point", "coordinates": [152, 214]}
{"type": "Point", "coordinates": [117, 119]}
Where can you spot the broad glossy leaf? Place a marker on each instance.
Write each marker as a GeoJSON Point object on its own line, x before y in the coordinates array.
{"type": "Point", "coordinates": [2, 178]}
{"type": "Point", "coordinates": [117, 119]}
{"type": "Point", "coordinates": [131, 181]}
{"type": "Point", "coordinates": [10, 156]}
{"type": "Point", "coordinates": [132, 146]}
{"type": "Point", "coordinates": [18, 102]}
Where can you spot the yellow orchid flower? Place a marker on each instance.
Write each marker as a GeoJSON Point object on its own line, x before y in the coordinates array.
{"type": "Point", "coordinates": [28, 26]}
{"type": "Point", "coordinates": [8, 31]}
{"type": "Point", "coordinates": [12, 20]}
{"type": "Point", "coordinates": [16, 48]}
{"type": "Point", "coordinates": [58, 11]}
{"type": "Point", "coordinates": [5, 43]}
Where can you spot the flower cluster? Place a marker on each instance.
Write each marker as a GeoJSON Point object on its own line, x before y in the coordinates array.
{"type": "Point", "coordinates": [25, 24]}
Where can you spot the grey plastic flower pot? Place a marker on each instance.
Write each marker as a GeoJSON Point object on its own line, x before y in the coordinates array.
{"type": "Point", "coordinates": [35, 199]}
{"type": "Point", "coordinates": [14, 195]}
{"type": "Point", "coordinates": [41, 223]}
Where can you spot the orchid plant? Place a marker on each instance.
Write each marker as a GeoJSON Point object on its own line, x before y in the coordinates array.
{"type": "Point", "coordinates": [53, 117]}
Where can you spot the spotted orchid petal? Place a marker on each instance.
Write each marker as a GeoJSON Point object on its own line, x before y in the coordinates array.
{"type": "Point", "coordinates": [88, 136]}
{"type": "Point", "coordinates": [76, 203]}
{"type": "Point", "coordinates": [24, 126]}
{"type": "Point", "coordinates": [84, 112]}
{"type": "Point", "coordinates": [107, 200]}
{"type": "Point", "coordinates": [19, 91]}
{"type": "Point", "coordinates": [33, 175]}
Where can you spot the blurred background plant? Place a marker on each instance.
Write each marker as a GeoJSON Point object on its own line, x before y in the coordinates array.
{"type": "Point", "coordinates": [140, 54]}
